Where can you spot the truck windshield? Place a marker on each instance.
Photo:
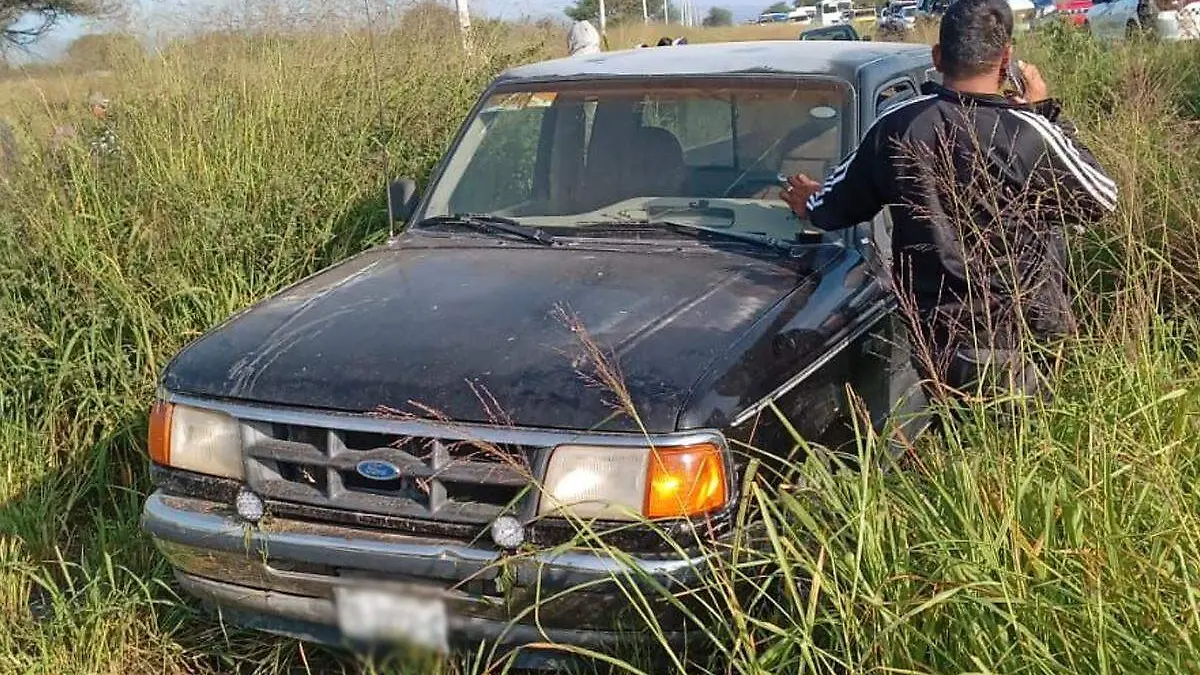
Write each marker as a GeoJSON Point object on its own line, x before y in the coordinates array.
{"type": "Point", "coordinates": [707, 153]}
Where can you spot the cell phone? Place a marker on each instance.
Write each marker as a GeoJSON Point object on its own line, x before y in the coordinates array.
{"type": "Point", "coordinates": [1016, 79]}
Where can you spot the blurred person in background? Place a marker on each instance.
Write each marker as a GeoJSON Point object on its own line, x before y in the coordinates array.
{"type": "Point", "coordinates": [981, 187]}
{"type": "Point", "coordinates": [103, 141]}
{"type": "Point", "coordinates": [583, 39]}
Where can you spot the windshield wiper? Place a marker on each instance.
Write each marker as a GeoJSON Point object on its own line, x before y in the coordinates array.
{"type": "Point", "coordinates": [762, 240]}
{"type": "Point", "coordinates": [490, 224]}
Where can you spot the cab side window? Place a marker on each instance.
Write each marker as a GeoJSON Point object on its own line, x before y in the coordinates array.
{"type": "Point", "coordinates": [893, 94]}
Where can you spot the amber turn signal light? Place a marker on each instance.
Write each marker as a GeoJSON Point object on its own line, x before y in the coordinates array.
{"type": "Point", "coordinates": [160, 433]}
{"type": "Point", "coordinates": [685, 481]}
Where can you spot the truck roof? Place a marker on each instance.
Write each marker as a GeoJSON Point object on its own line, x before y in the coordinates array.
{"type": "Point", "coordinates": [839, 58]}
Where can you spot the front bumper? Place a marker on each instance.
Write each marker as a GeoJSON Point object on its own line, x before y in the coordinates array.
{"type": "Point", "coordinates": [281, 577]}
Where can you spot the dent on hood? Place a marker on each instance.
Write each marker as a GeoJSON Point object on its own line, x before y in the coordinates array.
{"type": "Point", "coordinates": [242, 374]}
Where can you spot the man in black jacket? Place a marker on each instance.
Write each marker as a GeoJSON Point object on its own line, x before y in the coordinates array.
{"type": "Point", "coordinates": [980, 186]}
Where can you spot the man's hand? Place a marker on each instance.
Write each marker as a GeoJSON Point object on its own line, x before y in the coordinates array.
{"type": "Point", "coordinates": [1036, 90]}
{"type": "Point", "coordinates": [795, 195]}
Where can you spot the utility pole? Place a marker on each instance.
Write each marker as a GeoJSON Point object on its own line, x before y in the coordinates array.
{"type": "Point", "coordinates": [464, 24]}
{"type": "Point", "coordinates": [603, 19]}
{"type": "Point", "coordinates": [645, 12]}
{"type": "Point", "coordinates": [666, 12]}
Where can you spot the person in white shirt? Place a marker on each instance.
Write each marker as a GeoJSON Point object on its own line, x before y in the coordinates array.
{"type": "Point", "coordinates": [583, 39]}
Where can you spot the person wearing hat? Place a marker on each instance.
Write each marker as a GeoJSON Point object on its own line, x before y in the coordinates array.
{"type": "Point", "coordinates": [583, 39]}
{"type": "Point", "coordinates": [98, 104]}
{"type": "Point", "coordinates": [104, 141]}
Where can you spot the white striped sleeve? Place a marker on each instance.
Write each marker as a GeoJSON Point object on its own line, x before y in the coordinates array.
{"type": "Point", "coordinates": [835, 176]}
{"type": "Point", "coordinates": [1089, 176]}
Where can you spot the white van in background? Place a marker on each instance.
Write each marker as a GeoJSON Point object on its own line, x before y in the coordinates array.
{"type": "Point", "coordinates": [833, 12]}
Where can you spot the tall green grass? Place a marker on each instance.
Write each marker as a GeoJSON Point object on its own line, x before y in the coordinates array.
{"type": "Point", "coordinates": [1068, 544]}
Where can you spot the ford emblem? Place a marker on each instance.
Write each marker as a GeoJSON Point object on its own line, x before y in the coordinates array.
{"type": "Point", "coordinates": [377, 469]}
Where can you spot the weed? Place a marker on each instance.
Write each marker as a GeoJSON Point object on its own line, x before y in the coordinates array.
{"type": "Point", "coordinates": [1069, 543]}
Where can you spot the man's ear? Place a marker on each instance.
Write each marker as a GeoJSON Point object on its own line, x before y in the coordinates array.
{"type": "Point", "coordinates": [937, 57]}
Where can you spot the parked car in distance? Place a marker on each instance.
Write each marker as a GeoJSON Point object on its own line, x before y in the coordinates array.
{"type": "Point", "coordinates": [1163, 19]}
{"type": "Point", "coordinates": [897, 7]}
{"type": "Point", "coordinates": [803, 15]}
{"type": "Point", "coordinates": [931, 10]}
{"type": "Point", "coordinates": [394, 447]}
{"type": "Point", "coordinates": [1073, 12]}
{"type": "Point", "coordinates": [898, 22]}
{"type": "Point", "coordinates": [1025, 12]}
{"type": "Point", "coordinates": [843, 31]}
{"type": "Point", "coordinates": [773, 17]}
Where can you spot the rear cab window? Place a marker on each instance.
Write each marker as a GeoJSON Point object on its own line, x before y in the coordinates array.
{"type": "Point", "coordinates": [894, 93]}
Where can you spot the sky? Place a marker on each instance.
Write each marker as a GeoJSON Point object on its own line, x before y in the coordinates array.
{"type": "Point", "coordinates": [54, 43]}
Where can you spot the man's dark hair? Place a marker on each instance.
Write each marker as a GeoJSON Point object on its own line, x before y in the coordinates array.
{"type": "Point", "coordinates": [973, 35]}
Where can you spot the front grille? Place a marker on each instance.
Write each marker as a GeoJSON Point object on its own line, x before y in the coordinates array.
{"type": "Point", "coordinates": [457, 481]}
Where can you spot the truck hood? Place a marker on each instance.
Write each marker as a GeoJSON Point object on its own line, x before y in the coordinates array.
{"type": "Point", "coordinates": [489, 333]}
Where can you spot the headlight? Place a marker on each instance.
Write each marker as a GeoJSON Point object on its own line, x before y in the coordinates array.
{"type": "Point", "coordinates": [615, 483]}
{"type": "Point", "coordinates": [204, 441]}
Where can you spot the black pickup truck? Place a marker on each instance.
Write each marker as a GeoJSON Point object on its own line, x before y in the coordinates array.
{"type": "Point", "coordinates": [592, 314]}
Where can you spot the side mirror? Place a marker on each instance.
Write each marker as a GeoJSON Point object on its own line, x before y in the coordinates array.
{"type": "Point", "coordinates": [402, 199]}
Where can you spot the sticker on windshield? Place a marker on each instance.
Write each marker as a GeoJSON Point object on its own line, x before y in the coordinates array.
{"type": "Point", "coordinates": [520, 101]}
{"type": "Point", "coordinates": [542, 99]}
{"type": "Point", "coordinates": [515, 101]}
{"type": "Point", "coordinates": [823, 112]}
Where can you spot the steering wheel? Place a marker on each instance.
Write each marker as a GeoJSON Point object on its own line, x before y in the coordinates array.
{"type": "Point", "coordinates": [756, 188]}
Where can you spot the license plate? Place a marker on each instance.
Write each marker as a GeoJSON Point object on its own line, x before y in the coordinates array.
{"type": "Point", "coordinates": [377, 615]}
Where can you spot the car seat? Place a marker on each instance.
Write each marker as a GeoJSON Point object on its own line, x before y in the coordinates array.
{"type": "Point", "coordinates": [658, 163]}
{"type": "Point", "coordinates": [651, 164]}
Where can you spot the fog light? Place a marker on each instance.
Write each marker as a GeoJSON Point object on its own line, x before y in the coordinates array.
{"type": "Point", "coordinates": [508, 532]}
{"type": "Point", "coordinates": [249, 506]}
